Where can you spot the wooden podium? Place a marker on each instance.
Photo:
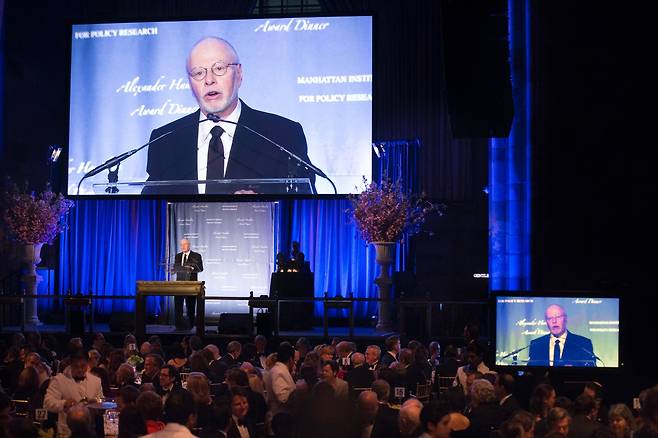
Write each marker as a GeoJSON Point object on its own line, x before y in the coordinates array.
{"type": "Point", "coordinates": [169, 288]}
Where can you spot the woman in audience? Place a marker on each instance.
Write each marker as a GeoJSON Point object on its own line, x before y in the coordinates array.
{"type": "Point", "coordinates": [198, 385]}
{"type": "Point", "coordinates": [199, 363]}
{"type": "Point", "coordinates": [178, 357]}
{"type": "Point", "coordinates": [114, 361]}
{"type": "Point", "coordinates": [621, 421]}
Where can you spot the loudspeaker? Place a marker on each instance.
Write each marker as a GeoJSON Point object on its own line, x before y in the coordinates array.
{"type": "Point", "coordinates": [234, 324]}
{"type": "Point", "coordinates": [122, 322]}
{"type": "Point", "coordinates": [477, 69]}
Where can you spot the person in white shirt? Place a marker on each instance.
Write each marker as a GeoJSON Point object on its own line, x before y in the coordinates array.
{"type": "Point", "coordinates": [179, 416]}
{"type": "Point", "coordinates": [329, 372]}
{"type": "Point", "coordinates": [74, 386]}
{"type": "Point", "coordinates": [474, 356]}
{"type": "Point", "coordinates": [280, 383]}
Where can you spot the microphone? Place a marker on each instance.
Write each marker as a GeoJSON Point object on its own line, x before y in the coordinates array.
{"type": "Point", "coordinates": [594, 356]}
{"type": "Point", "coordinates": [115, 161]}
{"type": "Point", "coordinates": [517, 351]}
{"type": "Point", "coordinates": [216, 119]}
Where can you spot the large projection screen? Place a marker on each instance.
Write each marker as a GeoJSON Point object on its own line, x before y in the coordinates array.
{"type": "Point", "coordinates": [128, 79]}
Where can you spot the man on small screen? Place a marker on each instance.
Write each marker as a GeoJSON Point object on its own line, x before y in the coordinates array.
{"type": "Point", "coordinates": [187, 265]}
{"type": "Point", "coordinates": [214, 151]}
{"type": "Point", "coordinates": [561, 347]}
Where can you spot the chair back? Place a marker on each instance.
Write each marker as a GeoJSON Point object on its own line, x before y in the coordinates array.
{"type": "Point", "coordinates": [423, 392]}
{"type": "Point", "coordinates": [445, 383]}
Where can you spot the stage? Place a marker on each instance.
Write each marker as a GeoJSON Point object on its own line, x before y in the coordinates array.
{"type": "Point", "coordinates": [315, 334]}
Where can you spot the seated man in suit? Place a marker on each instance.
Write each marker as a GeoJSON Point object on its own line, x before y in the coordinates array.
{"type": "Point", "coordinates": [200, 151]}
{"type": "Point", "coordinates": [561, 347]}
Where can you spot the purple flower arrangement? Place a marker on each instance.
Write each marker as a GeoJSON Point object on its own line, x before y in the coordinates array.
{"type": "Point", "coordinates": [33, 218]}
{"type": "Point", "coordinates": [384, 212]}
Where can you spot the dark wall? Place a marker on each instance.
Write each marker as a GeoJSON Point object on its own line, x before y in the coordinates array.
{"type": "Point", "coordinates": [593, 163]}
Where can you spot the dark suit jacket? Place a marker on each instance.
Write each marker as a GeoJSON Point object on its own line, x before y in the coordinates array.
{"type": "Point", "coordinates": [582, 427]}
{"type": "Point", "coordinates": [510, 406]}
{"type": "Point", "coordinates": [194, 260]}
{"type": "Point", "coordinates": [578, 351]}
{"type": "Point", "coordinates": [387, 359]}
{"type": "Point", "coordinates": [360, 377]}
{"type": "Point", "coordinates": [174, 157]}
{"type": "Point", "coordinates": [386, 423]}
{"type": "Point", "coordinates": [232, 431]}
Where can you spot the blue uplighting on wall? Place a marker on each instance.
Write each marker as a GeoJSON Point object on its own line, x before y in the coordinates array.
{"type": "Point", "coordinates": [510, 169]}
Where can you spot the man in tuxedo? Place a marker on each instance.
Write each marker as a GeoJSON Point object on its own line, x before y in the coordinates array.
{"type": "Point", "coordinates": [187, 265]}
{"type": "Point", "coordinates": [561, 347]}
{"type": "Point", "coordinates": [392, 350]}
{"type": "Point", "coordinates": [207, 150]}
{"type": "Point", "coordinates": [360, 376]}
{"type": "Point", "coordinates": [504, 388]}
{"type": "Point", "coordinates": [240, 424]}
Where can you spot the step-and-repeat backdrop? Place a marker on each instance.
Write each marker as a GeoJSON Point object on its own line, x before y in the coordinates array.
{"type": "Point", "coordinates": [236, 241]}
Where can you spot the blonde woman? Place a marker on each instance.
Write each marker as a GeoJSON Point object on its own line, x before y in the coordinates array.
{"type": "Point", "coordinates": [198, 385]}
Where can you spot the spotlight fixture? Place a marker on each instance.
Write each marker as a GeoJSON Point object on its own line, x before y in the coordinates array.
{"type": "Point", "coordinates": [54, 152]}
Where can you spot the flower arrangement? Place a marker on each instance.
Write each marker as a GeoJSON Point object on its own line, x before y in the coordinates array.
{"type": "Point", "coordinates": [34, 218]}
{"type": "Point", "coordinates": [384, 212]}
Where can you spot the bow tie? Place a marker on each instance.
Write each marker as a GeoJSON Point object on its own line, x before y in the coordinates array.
{"type": "Point", "coordinates": [241, 423]}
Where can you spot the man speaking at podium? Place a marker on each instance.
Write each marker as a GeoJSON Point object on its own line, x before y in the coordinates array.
{"type": "Point", "coordinates": [561, 347]}
{"type": "Point", "coordinates": [187, 265]}
{"type": "Point", "coordinates": [201, 151]}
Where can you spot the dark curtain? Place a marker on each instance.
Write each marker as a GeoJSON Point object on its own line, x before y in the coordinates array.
{"type": "Point", "coordinates": [410, 90]}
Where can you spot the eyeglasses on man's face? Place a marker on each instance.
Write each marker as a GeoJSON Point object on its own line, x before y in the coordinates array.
{"type": "Point", "coordinates": [218, 69]}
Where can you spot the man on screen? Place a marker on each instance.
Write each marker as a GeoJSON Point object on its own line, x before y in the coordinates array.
{"type": "Point", "coordinates": [187, 265]}
{"type": "Point", "coordinates": [561, 347]}
{"type": "Point", "coordinates": [222, 150]}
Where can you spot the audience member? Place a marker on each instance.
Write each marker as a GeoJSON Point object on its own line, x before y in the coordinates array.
{"type": "Point", "coordinates": [69, 388]}
{"type": "Point", "coordinates": [622, 422]}
{"type": "Point", "coordinates": [149, 405]}
{"type": "Point", "coordinates": [131, 423]}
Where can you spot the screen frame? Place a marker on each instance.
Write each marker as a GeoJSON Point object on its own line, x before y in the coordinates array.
{"type": "Point", "coordinates": [572, 370]}
{"type": "Point", "coordinates": [214, 197]}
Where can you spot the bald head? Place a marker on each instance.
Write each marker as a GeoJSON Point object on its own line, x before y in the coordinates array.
{"type": "Point", "coordinates": [358, 359]}
{"type": "Point", "coordinates": [184, 245]}
{"type": "Point", "coordinates": [556, 320]}
{"type": "Point", "coordinates": [213, 43]}
{"type": "Point", "coordinates": [215, 73]}
{"type": "Point", "coordinates": [368, 405]}
{"type": "Point", "coordinates": [78, 419]}
{"type": "Point", "coordinates": [409, 418]}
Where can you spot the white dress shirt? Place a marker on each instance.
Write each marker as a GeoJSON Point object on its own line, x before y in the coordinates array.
{"type": "Point", "coordinates": [551, 345]}
{"type": "Point", "coordinates": [203, 142]}
{"type": "Point", "coordinates": [242, 430]}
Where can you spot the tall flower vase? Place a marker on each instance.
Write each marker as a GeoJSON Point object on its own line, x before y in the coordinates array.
{"type": "Point", "coordinates": [31, 258]}
{"type": "Point", "coordinates": [383, 257]}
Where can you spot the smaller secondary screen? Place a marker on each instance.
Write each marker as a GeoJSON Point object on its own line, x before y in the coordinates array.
{"type": "Point", "coordinates": [557, 331]}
